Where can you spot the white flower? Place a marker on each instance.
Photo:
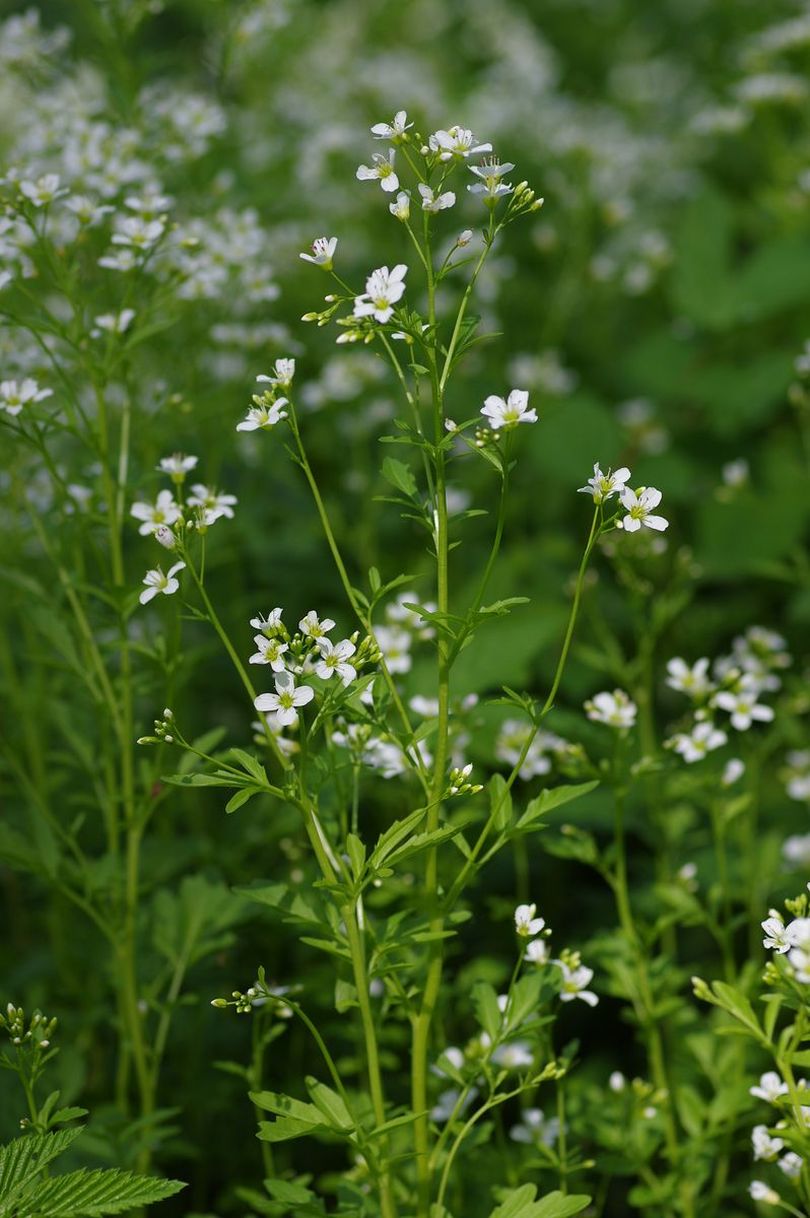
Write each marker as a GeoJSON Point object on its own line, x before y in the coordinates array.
{"type": "Point", "coordinates": [743, 708]}
{"type": "Point", "coordinates": [734, 770]}
{"type": "Point", "coordinates": [381, 170]}
{"type": "Point", "coordinates": [614, 710]}
{"type": "Point", "coordinates": [163, 511]}
{"type": "Point", "coordinates": [323, 251]}
{"type": "Point", "coordinates": [212, 504]}
{"type": "Point", "coordinates": [574, 981]}
{"type": "Point", "coordinates": [514, 1056]}
{"type": "Point", "coordinates": [617, 1082]}
{"type": "Point", "coordinates": [791, 1164]}
{"type": "Point", "coordinates": [44, 190]}
{"type": "Point", "coordinates": [769, 1087]}
{"type": "Point", "coordinates": [269, 623]}
{"type": "Point", "coordinates": [796, 850]}
{"type": "Point", "coordinates": [115, 323]}
{"type": "Point", "coordinates": [16, 394]}
{"type": "Point", "coordinates": [434, 202]}
{"type": "Point", "coordinates": [394, 130]}
{"type": "Point", "coordinates": [456, 142]}
{"type": "Point", "coordinates": [537, 952]}
{"type": "Point", "coordinates": [87, 211]}
{"type": "Point", "coordinates": [694, 745]}
{"type": "Point", "coordinates": [526, 924]}
{"type": "Point", "coordinates": [271, 651]}
{"type": "Point", "coordinates": [689, 680]}
{"type": "Point", "coordinates": [283, 373]}
{"type": "Point", "coordinates": [383, 289]}
{"type": "Point", "coordinates": [396, 647]}
{"type": "Point", "coordinates": [490, 172]}
{"type": "Point", "coordinates": [764, 1146]}
{"type": "Point", "coordinates": [639, 505]}
{"type": "Point", "coordinates": [334, 659]}
{"type": "Point", "coordinates": [602, 486]}
{"type": "Point", "coordinates": [508, 413]}
{"type": "Point", "coordinates": [401, 207]}
{"type": "Point", "coordinates": [775, 933]}
{"type": "Point", "coordinates": [177, 465]}
{"type": "Point", "coordinates": [264, 416]}
{"type": "Point", "coordinates": [156, 581]}
{"type": "Point", "coordinates": [798, 933]}
{"type": "Point", "coordinates": [139, 234]}
{"type": "Point", "coordinates": [759, 1191]}
{"type": "Point", "coordinates": [285, 700]}
{"type": "Point", "coordinates": [313, 628]}
{"type": "Point", "coordinates": [534, 1129]}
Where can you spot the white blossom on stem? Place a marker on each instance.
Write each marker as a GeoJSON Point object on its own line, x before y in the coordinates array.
{"type": "Point", "coordinates": [381, 170]}
{"type": "Point", "coordinates": [285, 701]}
{"type": "Point", "coordinates": [156, 581]}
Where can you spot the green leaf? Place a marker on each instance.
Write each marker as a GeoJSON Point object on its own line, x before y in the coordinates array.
{"type": "Point", "coordinates": [500, 801]}
{"type": "Point", "coordinates": [487, 1011]}
{"type": "Point", "coordinates": [554, 798]}
{"type": "Point", "coordinates": [285, 1129]}
{"type": "Point", "coordinates": [400, 476]}
{"type": "Point", "coordinates": [393, 836]}
{"type": "Point", "coordinates": [285, 1106]}
{"type": "Point", "coordinates": [520, 1203]}
{"type": "Point", "coordinates": [289, 1192]}
{"type": "Point", "coordinates": [93, 1194]}
{"type": "Point", "coordinates": [241, 798]}
{"type": "Point", "coordinates": [330, 1104]}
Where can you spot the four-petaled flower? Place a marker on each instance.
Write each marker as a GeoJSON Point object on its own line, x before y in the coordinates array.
{"type": "Point", "coordinates": [574, 981]}
{"type": "Point", "coordinates": [212, 504]}
{"type": "Point", "coordinates": [434, 202]}
{"type": "Point", "coordinates": [264, 416]}
{"type": "Point", "coordinates": [770, 1087]}
{"type": "Point", "coordinates": [694, 745]}
{"type": "Point", "coordinates": [382, 171]}
{"type": "Point", "coordinates": [508, 413]}
{"type": "Point", "coordinates": [692, 680]}
{"type": "Point", "coordinates": [44, 190]}
{"type": "Point", "coordinates": [776, 935]}
{"type": "Point", "coordinates": [271, 651]}
{"type": "Point", "coordinates": [177, 465]}
{"type": "Point", "coordinates": [526, 924]}
{"type": "Point", "coordinates": [285, 700]}
{"type": "Point", "coordinates": [283, 373]}
{"type": "Point", "coordinates": [603, 486]}
{"type": "Point", "coordinates": [456, 142]}
{"type": "Point", "coordinates": [743, 707]}
{"type": "Point", "coordinates": [614, 710]}
{"type": "Point", "coordinates": [323, 250]}
{"type": "Point", "coordinates": [334, 658]}
{"type": "Point", "coordinates": [383, 289]}
{"type": "Point", "coordinates": [639, 505]}
{"type": "Point", "coordinates": [152, 515]}
{"type": "Point", "coordinates": [392, 131]}
{"type": "Point", "coordinates": [490, 172]}
{"type": "Point", "coordinates": [313, 628]}
{"type": "Point", "coordinates": [16, 394]}
{"type": "Point", "coordinates": [156, 581]}
{"type": "Point", "coordinates": [763, 1145]}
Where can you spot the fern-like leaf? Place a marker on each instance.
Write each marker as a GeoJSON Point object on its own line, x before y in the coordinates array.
{"type": "Point", "coordinates": [93, 1194]}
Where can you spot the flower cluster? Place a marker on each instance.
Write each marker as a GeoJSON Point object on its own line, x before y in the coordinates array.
{"type": "Point", "coordinates": [732, 684]}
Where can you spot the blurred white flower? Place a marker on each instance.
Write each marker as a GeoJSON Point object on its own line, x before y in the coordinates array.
{"type": "Point", "coordinates": [526, 924]}
{"type": "Point", "coordinates": [613, 709]}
